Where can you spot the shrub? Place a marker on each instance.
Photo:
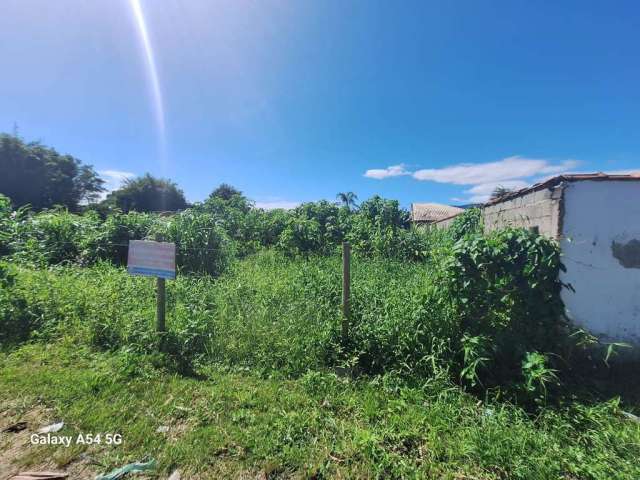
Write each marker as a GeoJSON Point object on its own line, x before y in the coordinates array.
{"type": "Point", "coordinates": [415, 244]}
{"type": "Point", "coordinates": [379, 228]}
{"type": "Point", "coordinates": [374, 229]}
{"type": "Point", "coordinates": [268, 225]}
{"type": "Point", "coordinates": [505, 291]}
{"type": "Point", "coordinates": [249, 227]}
{"type": "Point", "coordinates": [301, 236]}
{"type": "Point", "coordinates": [314, 228]}
{"type": "Point", "coordinates": [52, 236]}
{"type": "Point", "coordinates": [111, 239]}
{"type": "Point", "coordinates": [468, 222]}
{"type": "Point", "coordinates": [202, 245]}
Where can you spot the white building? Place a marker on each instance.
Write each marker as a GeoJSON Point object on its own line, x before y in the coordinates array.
{"type": "Point", "coordinates": [596, 220]}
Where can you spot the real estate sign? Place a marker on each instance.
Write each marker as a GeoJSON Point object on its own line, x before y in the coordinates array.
{"type": "Point", "coordinates": [152, 259]}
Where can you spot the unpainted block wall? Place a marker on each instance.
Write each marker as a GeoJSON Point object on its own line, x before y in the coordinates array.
{"type": "Point", "coordinates": [536, 209]}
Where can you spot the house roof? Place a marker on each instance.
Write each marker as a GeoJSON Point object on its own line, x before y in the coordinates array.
{"type": "Point", "coordinates": [432, 212]}
{"type": "Point", "coordinates": [552, 182]}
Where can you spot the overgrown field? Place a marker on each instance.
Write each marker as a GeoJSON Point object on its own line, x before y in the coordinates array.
{"type": "Point", "coordinates": [458, 362]}
{"type": "Point", "coordinates": [282, 315]}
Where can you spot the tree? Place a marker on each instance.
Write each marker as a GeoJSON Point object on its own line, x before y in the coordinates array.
{"type": "Point", "coordinates": [348, 199]}
{"type": "Point", "coordinates": [226, 198]}
{"type": "Point", "coordinates": [500, 192]}
{"type": "Point", "coordinates": [148, 194]}
{"type": "Point", "coordinates": [225, 192]}
{"type": "Point", "coordinates": [34, 174]}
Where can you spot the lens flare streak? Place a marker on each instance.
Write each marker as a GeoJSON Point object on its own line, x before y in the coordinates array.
{"type": "Point", "coordinates": [152, 70]}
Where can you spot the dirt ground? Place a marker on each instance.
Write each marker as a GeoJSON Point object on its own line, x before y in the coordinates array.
{"type": "Point", "coordinates": [18, 454]}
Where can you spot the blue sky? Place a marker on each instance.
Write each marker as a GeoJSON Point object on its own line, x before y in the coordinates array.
{"type": "Point", "coordinates": [297, 100]}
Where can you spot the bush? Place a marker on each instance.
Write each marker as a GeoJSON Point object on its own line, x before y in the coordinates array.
{"type": "Point", "coordinates": [301, 236]}
{"type": "Point", "coordinates": [249, 227]}
{"type": "Point", "coordinates": [52, 236]}
{"type": "Point", "coordinates": [505, 292]}
{"type": "Point", "coordinates": [268, 225]}
{"type": "Point", "coordinates": [111, 239]}
{"type": "Point", "coordinates": [202, 245]}
{"type": "Point", "coordinates": [314, 228]}
{"type": "Point", "coordinates": [374, 229]}
{"type": "Point", "coordinates": [468, 222]}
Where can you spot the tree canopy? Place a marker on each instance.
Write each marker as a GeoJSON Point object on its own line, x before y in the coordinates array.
{"type": "Point", "coordinates": [148, 194]}
{"type": "Point", "coordinates": [348, 199]}
{"type": "Point", "coordinates": [227, 196]}
{"type": "Point", "coordinates": [32, 173]}
{"type": "Point", "coordinates": [225, 192]}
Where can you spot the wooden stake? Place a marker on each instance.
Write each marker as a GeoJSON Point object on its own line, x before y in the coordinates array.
{"type": "Point", "coordinates": [160, 307]}
{"type": "Point", "coordinates": [346, 288]}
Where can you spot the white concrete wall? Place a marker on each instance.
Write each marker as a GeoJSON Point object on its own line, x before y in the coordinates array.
{"type": "Point", "coordinates": [606, 301]}
{"type": "Point", "coordinates": [536, 209]}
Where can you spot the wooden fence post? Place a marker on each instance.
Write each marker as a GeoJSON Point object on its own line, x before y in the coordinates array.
{"type": "Point", "coordinates": [346, 289]}
{"type": "Point", "coordinates": [160, 307]}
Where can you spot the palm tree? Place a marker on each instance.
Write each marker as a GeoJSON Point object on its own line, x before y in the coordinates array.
{"type": "Point", "coordinates": [348, 199]}
{"type": "Point", "coordinates": [500, 192]}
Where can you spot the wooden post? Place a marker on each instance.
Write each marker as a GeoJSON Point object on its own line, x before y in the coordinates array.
{"type": "Point", "coordinates": [346, 288]}
{"type": "Point", "coordinates": [160, 307]}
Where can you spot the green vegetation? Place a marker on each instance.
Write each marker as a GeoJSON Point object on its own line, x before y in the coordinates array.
{"type": "Point", "coordinates": [458, 361]}
{"type": "Point", "coordinates": [234, 424]}
{"type": "Point", "coordinates": [36, 175]}
{"type": "Point", "coordinates": [348, 199]}
{"type": "Point", "coordinates": [147, 194]}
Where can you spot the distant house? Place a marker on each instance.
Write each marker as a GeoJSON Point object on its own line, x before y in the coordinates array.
{"type": "Point", "coordinates": [427, 213]}
{"type": "Point", "coordinates": [596, 220]}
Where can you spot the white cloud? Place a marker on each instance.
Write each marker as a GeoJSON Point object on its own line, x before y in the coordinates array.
{"type": "Point", "coordinates": [514, 173]}
{"type": "Point", "coordinates": [113, 179]}
{"type": "Point", "coordinates": [273, 204]}
{"type": "Point", "coordinates": [392, 171]}
{"type": "Point", "coordinates": [482, 192]}
{"type": "Point", "coordinates": [488, 188]}
{"type": "Point", "coordinates": [510, 168]}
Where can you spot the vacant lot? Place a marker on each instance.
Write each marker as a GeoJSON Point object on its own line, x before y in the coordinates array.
{"type": "Point", "coordinates": [457, 364]}
{"type": "Point", "coordinates": [247, 384]}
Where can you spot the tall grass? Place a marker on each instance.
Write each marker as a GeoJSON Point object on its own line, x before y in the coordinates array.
{"type": "Point", "coordinates": [281, 315]}
{"type": "Point", "coordinates": [484, 309]}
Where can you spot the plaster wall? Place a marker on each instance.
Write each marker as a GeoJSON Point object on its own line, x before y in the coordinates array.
{"type": "Point", "coordinates": [600, 245]}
